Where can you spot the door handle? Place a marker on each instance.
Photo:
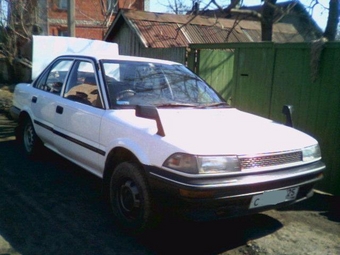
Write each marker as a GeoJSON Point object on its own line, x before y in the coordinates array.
{"type": "Point", "coordinates": [34, 99]}
{"type": "Point", "coordinates": [59, 109]}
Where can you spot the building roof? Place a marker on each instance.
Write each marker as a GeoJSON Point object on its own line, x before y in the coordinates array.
{"type": "Point", "coordinates": [289, 12]}
{"type": "Point", "coordinates": [164, 30]}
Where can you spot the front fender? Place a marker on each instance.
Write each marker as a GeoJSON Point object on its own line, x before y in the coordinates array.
{"type": "Point", "coordinates": [136, 149]}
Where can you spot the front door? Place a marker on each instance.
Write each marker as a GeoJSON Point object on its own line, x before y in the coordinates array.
{"type": "Point", "coordinates": [78, 117]}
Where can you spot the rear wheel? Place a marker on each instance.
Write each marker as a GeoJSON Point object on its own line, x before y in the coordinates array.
{"type": "Point", "coordinates": [29, 140]}
{"type": "Point", "coordinates": [130, 198]}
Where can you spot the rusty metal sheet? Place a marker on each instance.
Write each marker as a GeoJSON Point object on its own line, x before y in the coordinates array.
{"type": "Point", "coordinates": [161, 35]}
{"type": "Point", "coordinates": [164, 30]}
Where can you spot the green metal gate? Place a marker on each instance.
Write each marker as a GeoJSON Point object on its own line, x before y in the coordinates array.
{"type": "Point", "coordinates": [253, 79]}
{"type": "Point", "coordinates": [262, 77]}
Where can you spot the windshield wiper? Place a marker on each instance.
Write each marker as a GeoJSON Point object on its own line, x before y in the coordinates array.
{"type": "Point", "coordinates": [220, 104]}
{"type": "Point", "coordinates": [175, 105]}
{"type": "Point", "coordinates": [224, 104]}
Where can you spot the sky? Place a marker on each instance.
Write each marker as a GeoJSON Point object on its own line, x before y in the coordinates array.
{"type": "Point", "coordinates": [320, 14]}
{"type": "Point", "coordinates": [3, 12]}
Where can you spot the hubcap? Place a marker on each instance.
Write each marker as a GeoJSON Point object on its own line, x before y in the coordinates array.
{"type": "Point", "coordinates": [129, 199]}
{"type": "Point", "coordinates": [28, 138]}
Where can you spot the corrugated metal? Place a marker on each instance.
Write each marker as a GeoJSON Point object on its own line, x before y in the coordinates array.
{"type": "Point", "coordinates": [253, 35]}
{"type": "Point", "coordinates": [216, 67]}
{"type": "Point", "coordinates": [172, 54]}
{"type": "Point", "coordinates": [289, 12]}
{"type": "Point", "coordinates": [316, 104]}
{"type": "Point", "coordinates": [278, 37]}
{"type": "Point", "coordinates": [287, 37]}
{"type": "Point", "coordinates": [129, 44]}
{"type": "Point", "coordinates": [253, 79]}
{"type": "Point", "coordinates": [128, 41]}
{"type": "Point", "coordinates": [212, 34]}
{"type": "Point", "coordinates": [161, 35]}
{"type": "Point", "coordinates": [267, 76]}
{"type": "Point", "coordinates": [160, 30]}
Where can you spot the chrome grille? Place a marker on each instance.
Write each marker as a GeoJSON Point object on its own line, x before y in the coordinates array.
{"type": "Point", "coordinates": [270, 160]}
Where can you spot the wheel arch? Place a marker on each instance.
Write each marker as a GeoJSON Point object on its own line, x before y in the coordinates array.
{"type": "Point", "coordinates": [116, 156]}
{"type": "Point", "coordinates": [21, 119]}
{"type": "Point", "coordinates": [23, 115]}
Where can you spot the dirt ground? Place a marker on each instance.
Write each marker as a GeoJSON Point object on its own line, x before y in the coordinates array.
{"type": "Point", "coordinates": [51, 206]}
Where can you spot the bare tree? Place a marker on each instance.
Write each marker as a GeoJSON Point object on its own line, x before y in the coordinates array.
{"type": "Point", "coordinates": [20, 21]}
{"type": "Point", "coordinates": [333, 20]}
{"type": "Point", "coordinates": [265, 16]}
{"type": "Point", "coordinates": [267, 19]}
{"type": "Point", "coordinates": [176, 6]}
{"type": "Point", "coordinates": [17, 26]}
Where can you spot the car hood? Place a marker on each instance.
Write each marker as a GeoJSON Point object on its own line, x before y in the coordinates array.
{"type": "Point", "coordinates": [228, 131]}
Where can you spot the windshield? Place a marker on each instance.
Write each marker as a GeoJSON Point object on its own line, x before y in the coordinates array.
{"type": "Point", "coordinates": [162, 85]}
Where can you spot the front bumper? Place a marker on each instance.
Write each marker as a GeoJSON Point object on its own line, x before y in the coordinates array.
{"type": "Point", "coordinates": [227, 196]}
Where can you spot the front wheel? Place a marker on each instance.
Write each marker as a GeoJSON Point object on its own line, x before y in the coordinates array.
{"type": "Point", "coordinates": [130, 198]}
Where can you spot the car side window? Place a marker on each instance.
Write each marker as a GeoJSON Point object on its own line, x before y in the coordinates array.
{"type": "Point", "coordinates": [53, 80]}
{"type": "Point", "coordinates": [82, 85]}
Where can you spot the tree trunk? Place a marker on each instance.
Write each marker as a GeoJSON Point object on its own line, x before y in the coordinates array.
{"type": "Point", "coordinates": [333, 20]}
{"type": "Point", "coordinates": [267, 20]}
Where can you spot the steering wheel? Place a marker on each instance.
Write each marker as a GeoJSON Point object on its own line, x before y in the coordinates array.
{"type": "Point", "coordinates": [125, 93]}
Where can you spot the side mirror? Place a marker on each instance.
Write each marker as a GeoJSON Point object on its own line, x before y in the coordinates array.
{"type": "Point", "coordinates": [150, 112]}
{"type": "Point", "coordinates": [287, 110]}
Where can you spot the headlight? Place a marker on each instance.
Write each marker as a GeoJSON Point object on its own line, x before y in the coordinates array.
{"type": "Point", "coordinates": [202, 164]}
{"type": "Point", "coordinates": [218, 164]}
{"type": "Point", "coordinates": [311, 153]}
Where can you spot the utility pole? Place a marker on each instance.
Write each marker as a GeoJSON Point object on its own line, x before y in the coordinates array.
{"type": "Point", "coordinates": [71, 23]}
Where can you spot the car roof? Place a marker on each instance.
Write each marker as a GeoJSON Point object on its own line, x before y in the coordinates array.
{"type": "Point", "coordinates": [97, 56]}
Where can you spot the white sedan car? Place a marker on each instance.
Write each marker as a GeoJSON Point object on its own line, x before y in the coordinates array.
{"type": "Point", "coordinates": [161, 138]}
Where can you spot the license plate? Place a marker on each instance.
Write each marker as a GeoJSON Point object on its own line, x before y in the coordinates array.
{"type": "Point", "coordinates": [273, 197]}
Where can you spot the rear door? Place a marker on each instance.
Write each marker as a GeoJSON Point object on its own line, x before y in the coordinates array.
{"type": "Point", "coordinates": [43, 101]}
{"type": "Point", "coordinates": [78, 117]}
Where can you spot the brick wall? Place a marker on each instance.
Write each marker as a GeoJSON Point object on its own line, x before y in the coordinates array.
{"type": "Point", "coordinates": [91, 19]}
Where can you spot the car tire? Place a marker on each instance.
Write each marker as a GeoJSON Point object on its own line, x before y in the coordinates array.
{"type": "Point", "coordinates": [29, 140]}
{"type": "Point", "coordinates": [130, 199]}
